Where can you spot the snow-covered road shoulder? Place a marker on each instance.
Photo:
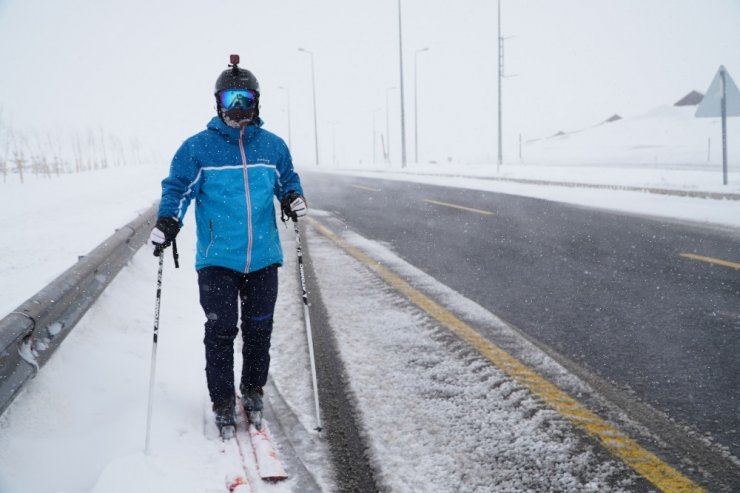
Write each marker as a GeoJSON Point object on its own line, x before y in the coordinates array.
{"type": "Point", "coordinates": [437, 414]}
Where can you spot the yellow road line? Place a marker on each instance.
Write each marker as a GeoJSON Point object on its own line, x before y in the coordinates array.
{"type": "Point", "coordinates": [644, 462]}
{"type": "Point", "coordinates": [366, 188]}
{"type": "Point", "coordinates": [461, 207]}
{"type": "Point", "coordinates": [711, 260]}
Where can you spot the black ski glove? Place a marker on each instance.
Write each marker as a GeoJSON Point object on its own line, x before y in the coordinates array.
{"type": "Point", "coordinates": [293, 206]}
{"type": "Point", "coordinates": [164, 234]}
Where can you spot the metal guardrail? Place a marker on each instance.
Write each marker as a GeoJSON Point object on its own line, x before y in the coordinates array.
{"type": "Point", "coordinates": [31, 333]}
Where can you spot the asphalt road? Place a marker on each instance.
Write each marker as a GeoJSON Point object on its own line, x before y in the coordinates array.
{"type": "Point", "coordinates": [610, 291]}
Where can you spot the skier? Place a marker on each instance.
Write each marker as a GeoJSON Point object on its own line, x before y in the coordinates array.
{"type": "Point", "coordinates": [233, 169]}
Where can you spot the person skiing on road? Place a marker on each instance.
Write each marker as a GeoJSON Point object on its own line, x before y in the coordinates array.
{"type": "Point", "coordinates": [232, 170]}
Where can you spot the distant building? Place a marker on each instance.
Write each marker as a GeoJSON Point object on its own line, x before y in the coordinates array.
{"type": "Point", "coordinates": [691, 99]}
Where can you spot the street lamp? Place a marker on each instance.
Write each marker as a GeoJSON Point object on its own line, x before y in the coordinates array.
{"type": "Point", "coordinates": [388, 125]}
{"type": "Point", "coordinates": [333, 142]}
{"type": "Point", "coordinates": [315, 125]}
{"type": "Point", "coordinates": [375, 138]}
{"type": "Point", "coordinates": [287, 92]}
{"type": "Point", "coordinates": [416, 107]}
{"type": "Point", "coordinates": [500, 74]}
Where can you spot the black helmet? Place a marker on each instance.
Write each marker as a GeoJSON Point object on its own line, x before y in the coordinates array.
{"type": "Point", "coordinates": [239, 79]}
{"type": "Point", "coordinates": [236, 78]}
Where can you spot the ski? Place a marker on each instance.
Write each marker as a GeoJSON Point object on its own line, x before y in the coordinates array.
{"type": "Point", "coordinates": [237, 483]}
{"type": "Point", "coordinates": [233, 466]}
{"type": "Point", "coordinates": [269, 465]}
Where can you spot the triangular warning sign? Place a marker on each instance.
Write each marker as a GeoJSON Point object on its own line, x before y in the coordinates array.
{"type": "Point", "coordinates": [711, 105]}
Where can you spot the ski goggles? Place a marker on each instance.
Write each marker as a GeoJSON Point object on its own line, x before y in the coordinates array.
{"type": "Point", "coordinates": [237, 98]}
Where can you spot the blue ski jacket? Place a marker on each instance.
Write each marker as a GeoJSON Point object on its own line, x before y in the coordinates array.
{"type": "Point", "coordinates": [233, 175]}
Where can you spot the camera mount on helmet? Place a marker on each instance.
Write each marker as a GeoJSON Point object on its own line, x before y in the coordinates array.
{"type": "Point", "coordinates": [234, 62]}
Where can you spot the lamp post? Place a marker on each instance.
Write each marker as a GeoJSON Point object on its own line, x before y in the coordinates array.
{"type": "Point", "coordinates": [400, 72]}
{"type": "Point", "coordinates": [375, 138]}
{"type": "Point", "coordinates": [333, 142]}
{"type": "Point", "coordinates": [388, 125]}
{"type": "Point", "coordinates": [416, 106]}
{"type": "Point", "coordinates": [315, 125]}
{"type": "Point", "coordinates": [501, 75]}
{"type": "Point", "coordinates": [287, 92]}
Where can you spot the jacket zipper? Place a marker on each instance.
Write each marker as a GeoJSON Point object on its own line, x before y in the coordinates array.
{"type": "Point", "coordinates": [210, 243]}
{"type": "Point", "coordinates": [249, 200]}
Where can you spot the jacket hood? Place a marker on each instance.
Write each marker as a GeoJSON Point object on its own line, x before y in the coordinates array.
{"type": "Point", "coordinates": [232, 134]}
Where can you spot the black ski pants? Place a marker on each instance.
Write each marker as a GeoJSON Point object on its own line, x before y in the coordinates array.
{"type": "Point", "coordinates": [221, 293]}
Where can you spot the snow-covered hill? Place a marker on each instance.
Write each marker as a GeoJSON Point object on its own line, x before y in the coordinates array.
{"type": "Point", "coordinates": [663, 136]}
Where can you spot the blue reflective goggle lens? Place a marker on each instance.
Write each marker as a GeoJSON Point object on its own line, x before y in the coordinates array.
{"type": "Point", "coordinates": [237, 98]}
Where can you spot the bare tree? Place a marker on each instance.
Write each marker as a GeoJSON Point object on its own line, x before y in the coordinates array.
{"type": "Point", "coordinates": [135, 151]}
{"type": "Point", "coordinates": [103, 150]}
{"type": "Point", "coordinates": [77, 154]}
{"type": "Point", "coordinates": [47, 153]}
{"type": "Point", "coordinates": [54, 148]}
{"type": "Point", "coordinates": [19, 162]}
{"type": "Point", "coordinates": [19, 144]}
{"type": "Point", "coordinates": [93, 154]}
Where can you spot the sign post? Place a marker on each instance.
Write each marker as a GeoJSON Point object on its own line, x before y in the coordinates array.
{"type": "Point", "coordinates": [721, 100]}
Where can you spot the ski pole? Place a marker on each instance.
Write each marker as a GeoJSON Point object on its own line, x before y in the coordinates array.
{"type": "Point", "coordinates": [153, 365]}
{"type": "Point", "coordinates": [307, 318]}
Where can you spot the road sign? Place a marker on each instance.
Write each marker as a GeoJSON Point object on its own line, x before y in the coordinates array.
{"type": "Point", "coordinates": [722, 86]}
{"type": "Point", "coordinates": [723, 100]}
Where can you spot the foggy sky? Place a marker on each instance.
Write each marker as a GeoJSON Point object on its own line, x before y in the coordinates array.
{"type": "Point", "coordinates": [147, 69]}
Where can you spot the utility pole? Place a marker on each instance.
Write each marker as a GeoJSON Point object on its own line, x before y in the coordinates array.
{"type": "Point", "coordinates": [709, 149]}
{"type": "Point", "coordinates": [375, 138]}
{"type": "Point", "coordinates": [520, 148]}
{"type": "Point", "coordinates": [500, 75]}
{"type": "Point", "coordinates": [416, 106]}
{"type": "Point", "coordinates": [315, 124]}
{"type": "Point", "coordinates": [388, 126]}
{"type": "Point", "coordinates": [287, 92]}
{"type": "Point", "coordinates": [723, 109]}
{"type": "Point", "coordinates": [400, 59]}
{"type": "Point", "coordinates": [333, 142]}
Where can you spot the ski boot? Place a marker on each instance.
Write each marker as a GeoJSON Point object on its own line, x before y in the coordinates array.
{"type": "Point", "coordinates": [225, 419]}
{"type": "Point", "coordinates": [252, 401]}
